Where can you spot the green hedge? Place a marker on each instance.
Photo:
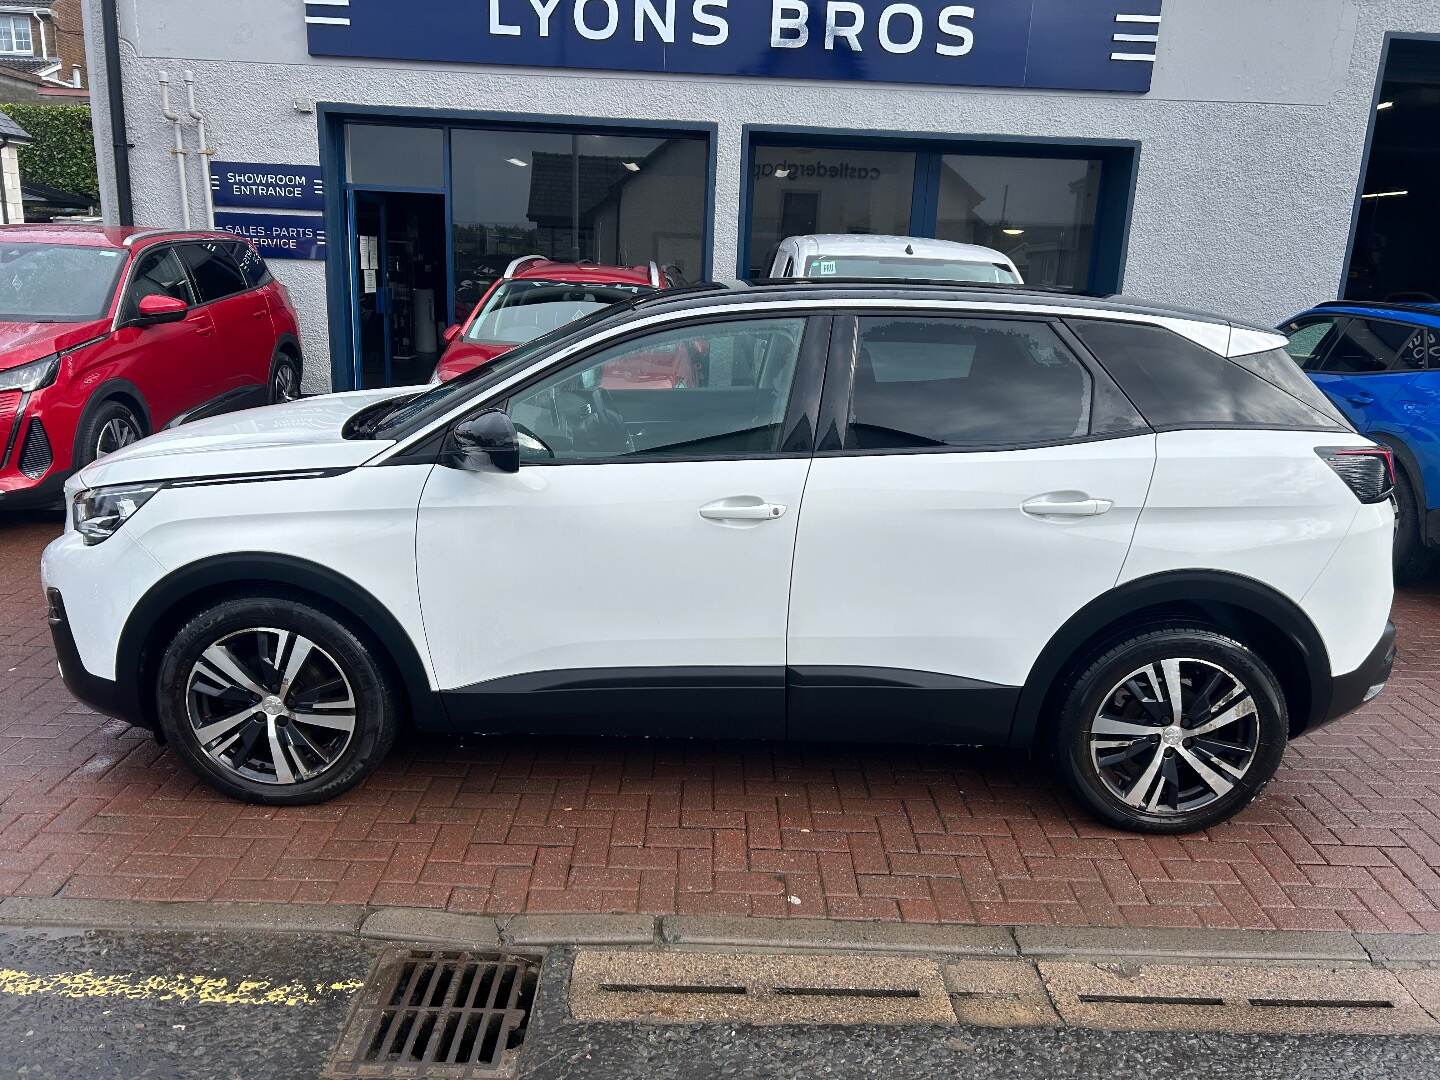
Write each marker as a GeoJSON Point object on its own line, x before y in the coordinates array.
{"type": "Point", "coordinates": [63, 152]}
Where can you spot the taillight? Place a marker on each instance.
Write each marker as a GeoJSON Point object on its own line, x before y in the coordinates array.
{"type": "Point", "coordinates": [1368, 471]}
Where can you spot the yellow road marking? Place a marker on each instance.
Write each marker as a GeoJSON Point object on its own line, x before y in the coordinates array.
{"type": "Point", "coordinates": [133, 986]}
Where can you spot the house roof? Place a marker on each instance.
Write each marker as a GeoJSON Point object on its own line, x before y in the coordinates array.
{"type": "Point", "coordinates": [12, 131]}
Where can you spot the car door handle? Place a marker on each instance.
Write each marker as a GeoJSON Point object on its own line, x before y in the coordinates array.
{"type": "Point", "coordinates": [1360, 399]}
{"type": "Point", "coordinates": [742, 508]}
{"type": "Point", "coordinates": [1066, 504]}
{"type": "Point", "coordinates": [258, 314]}
{"type": "Point", "coordinates": [204, 331]}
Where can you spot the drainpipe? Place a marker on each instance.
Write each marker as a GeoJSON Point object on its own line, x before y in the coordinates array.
{"type": "Point", "coordinates": [180, 152]}
{"type": "Point", "coordinates": [115, 94]}
{"type": "Point", "coordinates": [205, 151]}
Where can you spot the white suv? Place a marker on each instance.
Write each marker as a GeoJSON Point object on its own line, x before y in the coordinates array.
{"type": "Point", "coordinates": [1135, 539]}
{"type": "Point", "coordinates": [850, 256]}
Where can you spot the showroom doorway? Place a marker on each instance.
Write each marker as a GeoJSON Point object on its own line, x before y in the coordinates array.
{"type": "Point", "coordinates": [400, 268]}
{"type": "Point", "coordinates": [1397, 220]}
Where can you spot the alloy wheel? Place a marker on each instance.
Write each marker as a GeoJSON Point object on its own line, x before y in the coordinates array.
{"type": "Point", "coordinates": [271, 706]}
{"type": "Point", "coordinates": [1175, 736]}
{"type": "Point", "coordinates": [115, 433]}
{"type": "Point", "coordinates": [286, 384]}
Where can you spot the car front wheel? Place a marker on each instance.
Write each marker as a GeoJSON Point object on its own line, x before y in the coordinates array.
{"type": "Point", "coordinates": [274, 701]}
{"type": "Point", "coordinates": [1172, 729]}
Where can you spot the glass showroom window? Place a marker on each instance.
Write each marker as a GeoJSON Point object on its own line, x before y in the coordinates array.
{"type": "Point", "coordinates": [1039, 211]}
{"type": "Point", "coordinates": [15, 36]}
{"type": "Point", "coordinates": [612, 198]}
{"type": "Point", "coordinates": [796, 190]}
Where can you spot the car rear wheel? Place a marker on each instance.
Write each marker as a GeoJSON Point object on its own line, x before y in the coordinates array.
{"type": "Point", "coordinates": [1413, 560]}
{"type": "Point", "coordinates": [1172, 729]}
{"type": "Point", "coordinates": [109, 428]}
{"type": "Point", "coordinates": [284, 379]}
{"type": "Point", "coordinates": [274, 701]}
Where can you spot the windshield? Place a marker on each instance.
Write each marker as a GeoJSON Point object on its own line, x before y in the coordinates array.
{"type": "Point", "coordinates": [57, 282]}
{"type": "Point", "coordinates": [877, 266]}
{"type": "Point", "coordinates": [414, 413]}
{"type": "Point", "coordinates": [519, 311]}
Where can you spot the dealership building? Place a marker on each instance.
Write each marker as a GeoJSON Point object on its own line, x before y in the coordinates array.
{"type": "Point", "coordinates": [1252, 157]}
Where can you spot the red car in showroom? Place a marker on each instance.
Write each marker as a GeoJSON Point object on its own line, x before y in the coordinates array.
{"type": "Point", "coordinates": [534, 296]}
{"type": "Point", "coordinates": [109, 334]}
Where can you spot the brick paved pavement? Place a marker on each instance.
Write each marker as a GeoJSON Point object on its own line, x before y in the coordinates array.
{"type": "Point", "coordinates": [1347, 837]}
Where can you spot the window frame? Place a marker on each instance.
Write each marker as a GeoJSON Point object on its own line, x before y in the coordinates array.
{"type": "Point", "coordinates": [797, 428]}
{"type": "Point", "coordinates": [15, 22]}
{"type": "Point", "coordinates": [839, 394]}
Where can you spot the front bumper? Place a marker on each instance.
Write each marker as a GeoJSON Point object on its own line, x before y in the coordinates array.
{"type": "Point", "coordinates": [1348, 692]}
{"type": "Point", "coordinates": [102, 695]}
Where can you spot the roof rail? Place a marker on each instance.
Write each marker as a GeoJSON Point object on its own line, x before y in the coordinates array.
{"type": "Point", "coordinates": [510, 270]}
{"type": "Point", "coordinates": [929, 283]}
{"type": "Point", "coordinates": [150, 234]}
{"type": "Point", "coordinates": [1418, 307]}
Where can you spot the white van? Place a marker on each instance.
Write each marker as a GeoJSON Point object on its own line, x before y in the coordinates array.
{"type": "Point", "coordinates": [843, 255]}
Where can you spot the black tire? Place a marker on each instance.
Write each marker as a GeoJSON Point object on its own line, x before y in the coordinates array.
{"type": "Point", "coordinates": [1178, 798]}
{"type": "Point", "coordinates": [1413, 559]}
{"type": "Point", "coordinates": [185, 701]}
{"type": "Point", "coordinates": [112, 425]}
{"type": "Point", "coordinates": [285, 374]}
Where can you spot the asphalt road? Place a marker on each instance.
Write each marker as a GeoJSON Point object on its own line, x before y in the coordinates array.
{"type": "Point", "coordinates": [204, 1007]}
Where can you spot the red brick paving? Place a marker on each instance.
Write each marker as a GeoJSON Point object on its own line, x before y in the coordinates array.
{"type": "Point", "coordinates": [1346, 838]}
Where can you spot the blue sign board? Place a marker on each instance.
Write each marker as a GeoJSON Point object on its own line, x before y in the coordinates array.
{"type": "Point", "coordinates": [1052, 44]}
{"type": "Point", "coordinates": [271, 187]}
{"type": "Point", "coordinates": [279, 236]}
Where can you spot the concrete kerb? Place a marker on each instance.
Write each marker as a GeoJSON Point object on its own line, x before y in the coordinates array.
{"type": "Point", "coordinates": [431, 926]}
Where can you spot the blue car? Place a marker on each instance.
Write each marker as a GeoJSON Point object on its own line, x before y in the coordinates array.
{"type": "Point", "coordinates": [1380, 364]}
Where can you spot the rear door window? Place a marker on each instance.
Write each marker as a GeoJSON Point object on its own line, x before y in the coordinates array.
{"type": "Point", "coordinates": [925, 382]}
{"type": "Point", "coordinates": [1176, 383]}
{"type": "Point", "coordinates": [216, 273]}
{"type": "Point", "coordinates": [1374, 346]}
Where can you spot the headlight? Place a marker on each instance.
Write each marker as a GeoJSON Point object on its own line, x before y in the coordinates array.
{"type": "Point", "coordinates": [99, 512]}
{"type": "Point", "coordinates": [33, 376]}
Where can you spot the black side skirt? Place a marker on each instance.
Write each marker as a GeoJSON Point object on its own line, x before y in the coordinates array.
{"type": "Point", "coordinates": [810, 703]}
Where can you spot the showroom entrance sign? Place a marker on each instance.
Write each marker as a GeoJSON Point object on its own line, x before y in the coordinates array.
{"type": "Point", "coordinates": [1107, 45]}
{"type": "Point", "coordinates": [273, 187]}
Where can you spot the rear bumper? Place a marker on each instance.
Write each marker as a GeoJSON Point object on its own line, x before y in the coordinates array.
{"type": "Point", "coordinates": [1348, 692]}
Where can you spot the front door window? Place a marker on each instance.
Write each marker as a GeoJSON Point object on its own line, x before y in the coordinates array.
{"type": "Point", "coordinates": [691, 392]}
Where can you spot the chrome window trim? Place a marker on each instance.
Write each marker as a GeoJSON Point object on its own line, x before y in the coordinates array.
{"type": "Point", "coordinates": [1219, 338]}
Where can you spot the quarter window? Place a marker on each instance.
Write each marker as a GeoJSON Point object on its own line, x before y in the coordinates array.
{"type": "Point", "coordinates": [969, 384]}
{"type": "Point", "coordinates": [698, 391]}
{"type": "Point", "coordinates": [1176, 383]}
{"type": "Point", "coordinates": [216, 273]}
{"type": "Point", "coordinates": [158, 273]}
{"type": "Point", "coordinates": [252, 266]}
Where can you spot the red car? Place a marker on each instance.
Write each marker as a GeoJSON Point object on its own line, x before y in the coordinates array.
{"type": "Point", "coordinates": [109, 334]}
{"type": "Point", "coordinates": [535, 296]}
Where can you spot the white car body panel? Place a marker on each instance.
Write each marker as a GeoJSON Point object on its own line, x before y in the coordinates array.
{"type": "Point", "coordinates": [804, 248]}
{"type": "Point", "coordinates": [604, 566]}
{"type": "Point", "coordinates": [926, 561]}
{"type": "Point", "coordinates": [1263, 505]}
{"type": "Point", "coordinates": [360, 525]}
{"type": "Point", "coordinates": [303, 434]}
{"type": "Point", "coordinates": [1347, 603]}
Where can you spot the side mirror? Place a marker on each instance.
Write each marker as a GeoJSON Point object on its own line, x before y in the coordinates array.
{"type": "Point", "coordinates": [489, 438]}
{"type": "Point", "coordinates": [451, 333]}
{"type": "Point", "coordinates": [158, 308]}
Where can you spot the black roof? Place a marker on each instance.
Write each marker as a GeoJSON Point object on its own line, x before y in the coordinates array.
{"type": "Point", "coordinates": [735, 292]}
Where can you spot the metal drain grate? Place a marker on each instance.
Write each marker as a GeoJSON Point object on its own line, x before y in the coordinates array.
{"type": "Point", "coordinates": [444, 1015]}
